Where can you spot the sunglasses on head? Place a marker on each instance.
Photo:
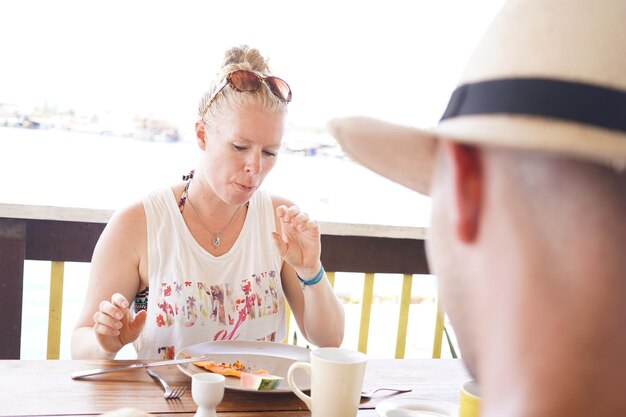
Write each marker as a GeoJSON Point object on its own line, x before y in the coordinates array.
{"type": "Point", "coordinates": [244, 80]}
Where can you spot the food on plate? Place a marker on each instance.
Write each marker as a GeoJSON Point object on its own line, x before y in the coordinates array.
{"type": "Point", "coordinates": [227, 369]}
{"type": "Point", "coordinates": [222, 368]}
{"type": "Point", "coordinates": [260, 382]}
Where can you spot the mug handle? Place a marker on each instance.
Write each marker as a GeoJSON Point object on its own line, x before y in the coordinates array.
{"type": "Point", "coordinates": [307, 367]}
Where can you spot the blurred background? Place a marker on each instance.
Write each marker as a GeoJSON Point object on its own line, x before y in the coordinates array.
{"type": "Point", "coordinates": [98, 103]}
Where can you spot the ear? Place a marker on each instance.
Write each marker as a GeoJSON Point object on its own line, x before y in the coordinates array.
{"type": "Point", "coordinates": [201, 134]}
{"type": "Point", "coordinates": [467, 176]}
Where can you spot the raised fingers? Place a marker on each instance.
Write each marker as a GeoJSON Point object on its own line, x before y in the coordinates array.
{"type": "Point", "coordinates": [106, 325]}
{"type": "Point", "coordinates": [119, 300]}
{"type": "Point", "coordinates": [108, 318]}
{"type": "Point", "coordinates": [287, 214]}
{"type": "Point", "coordinates": [296, 218]}
{"type": "Point", "coordinates": [302, 222]}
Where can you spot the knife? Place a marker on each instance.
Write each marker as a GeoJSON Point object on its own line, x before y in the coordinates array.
{"type": "Point", "coordinates": [83, 374]}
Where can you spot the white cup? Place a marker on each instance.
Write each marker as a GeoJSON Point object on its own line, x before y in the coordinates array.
{"type": "Point", "coordinates": [207, 391]}
{"type": "Point", "coordinates": [336, 381]}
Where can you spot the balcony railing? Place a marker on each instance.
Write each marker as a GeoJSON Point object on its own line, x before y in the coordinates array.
{"type": "Point", "coordinates": [60, 234]}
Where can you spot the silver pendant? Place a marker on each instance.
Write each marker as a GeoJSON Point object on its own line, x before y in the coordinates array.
{"type": "Point", "coordinates": [216, 240]}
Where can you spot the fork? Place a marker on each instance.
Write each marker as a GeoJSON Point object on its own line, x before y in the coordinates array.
{"type": "Point", "coordinates": [370, 394]}
{"type": "Point", "coordinates": [171, 393]}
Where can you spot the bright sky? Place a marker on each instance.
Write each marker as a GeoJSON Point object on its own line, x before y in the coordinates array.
{"type": "Point", "coordinates": [393, 59]}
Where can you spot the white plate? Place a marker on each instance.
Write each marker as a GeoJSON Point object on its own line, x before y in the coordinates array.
{"type": "Point", "coordinates": [413, 407]}
{"type": "Point", "coordinates": [273, 357]}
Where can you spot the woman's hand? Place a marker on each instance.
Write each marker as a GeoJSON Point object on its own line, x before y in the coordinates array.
{"type": "Point", "coordinates": [114, 325]}
{"type": "Point", "coordinates": [299, 245]}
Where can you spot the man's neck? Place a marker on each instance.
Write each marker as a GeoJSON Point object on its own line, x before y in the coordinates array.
{"type": "Point", "coordinates": [555, 360]}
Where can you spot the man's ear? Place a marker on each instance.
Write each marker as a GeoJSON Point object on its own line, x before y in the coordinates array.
{"type": "Point", "coordinates": [200, 134]}
{"type": "Point", "coordinates": [466, 167]}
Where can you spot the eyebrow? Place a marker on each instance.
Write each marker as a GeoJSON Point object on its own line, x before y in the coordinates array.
{"type": "Point", "coordinates": [270, 145]}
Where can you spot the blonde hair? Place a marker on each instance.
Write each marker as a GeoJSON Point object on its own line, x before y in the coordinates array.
{"type": "Point", "coordinates": [239, 58]}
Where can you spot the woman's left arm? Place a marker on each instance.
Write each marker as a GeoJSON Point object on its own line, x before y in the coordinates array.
{"type": "Point", "coordinates": [317, 311]}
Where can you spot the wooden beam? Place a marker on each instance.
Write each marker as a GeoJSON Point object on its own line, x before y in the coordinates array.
{"type": "Point", "coordinates": [366, 254]}
{"type": "Point", "coordinates": [49, 240]}
{"type": "Point", "coordinates": [12, 255]}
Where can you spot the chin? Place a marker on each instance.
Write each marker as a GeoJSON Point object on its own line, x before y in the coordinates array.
{"type": "Point", "coordinates": [237, 197]}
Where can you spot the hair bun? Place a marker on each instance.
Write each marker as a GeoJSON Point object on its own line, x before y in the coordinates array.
{"type": "Point", "coordinates": [244, 57]}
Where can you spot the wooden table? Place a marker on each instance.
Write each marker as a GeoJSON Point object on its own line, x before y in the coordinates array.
{"type": "Point", "coordinates": [44, 388]}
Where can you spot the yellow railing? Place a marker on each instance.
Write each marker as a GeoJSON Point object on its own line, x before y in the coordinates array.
{"type": "Point", "coordinates": [55, 310]}
{"type": "Point", "coordinates": [403, 319]}
{"type": "Point", "coordinates": [56, 304]}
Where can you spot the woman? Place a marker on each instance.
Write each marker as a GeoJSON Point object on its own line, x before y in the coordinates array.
{"type": "Point", "coordinates": [214, 257]}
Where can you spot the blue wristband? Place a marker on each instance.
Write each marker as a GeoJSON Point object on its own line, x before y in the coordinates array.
{"type": "Point", "coordinates": [317, 278]}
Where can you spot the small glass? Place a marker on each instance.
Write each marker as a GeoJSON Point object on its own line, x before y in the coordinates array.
{"type": "Point", "coordinates": [207, 391]}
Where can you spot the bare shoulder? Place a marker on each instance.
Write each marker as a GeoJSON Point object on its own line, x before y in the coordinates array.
{"type": "Point", "coordinates": [126, 229]}
{"type": "Point", "coordinates": [129, 218]}
{"type": "Point", "coordinates": [118, 263]}
{"type": "Point", "coordinates": [130, 224]}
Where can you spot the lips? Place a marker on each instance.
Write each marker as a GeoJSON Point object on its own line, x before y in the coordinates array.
{"type": "Point", "coordinates": [246, 187]}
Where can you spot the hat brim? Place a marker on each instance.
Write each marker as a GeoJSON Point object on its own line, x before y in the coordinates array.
{"type": "Point", "coordinates": [402, 154]}
{"type": "Point", "coordinates": [406, 155]}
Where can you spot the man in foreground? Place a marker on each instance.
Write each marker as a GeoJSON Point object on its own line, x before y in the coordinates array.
{"type": "Point", "coordinates": [526, 171]}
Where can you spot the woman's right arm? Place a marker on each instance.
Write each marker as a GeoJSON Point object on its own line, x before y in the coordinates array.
{"type": "Point", "coordinates": [118, 271]}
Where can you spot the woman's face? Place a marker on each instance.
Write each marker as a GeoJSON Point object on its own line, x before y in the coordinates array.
{"type": "Point", "coordinates": [240, 151]}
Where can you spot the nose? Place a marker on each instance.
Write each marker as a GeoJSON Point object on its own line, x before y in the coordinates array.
{"type": "Point", "coordinates": [253, 163]}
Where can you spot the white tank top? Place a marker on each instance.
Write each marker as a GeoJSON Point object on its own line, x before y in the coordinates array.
{"type": "Point", "coordinates": [195, 297]}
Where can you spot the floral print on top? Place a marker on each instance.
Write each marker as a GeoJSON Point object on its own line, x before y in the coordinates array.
{"type": "Point", "coordinates": [190, 304]}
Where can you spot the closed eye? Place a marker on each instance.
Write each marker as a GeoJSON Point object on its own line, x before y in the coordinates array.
{"type": "Point", "coordinates": [239, 148]}
{"type": "Point", "coordinates": [272, 154]}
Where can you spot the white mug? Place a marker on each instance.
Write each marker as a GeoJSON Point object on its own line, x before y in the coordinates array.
{"type": "Point", "coordinates": [336, 381]}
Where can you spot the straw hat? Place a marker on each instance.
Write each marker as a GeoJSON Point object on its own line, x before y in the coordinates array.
{"type": "Point", "coordinates": [548, 75]}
